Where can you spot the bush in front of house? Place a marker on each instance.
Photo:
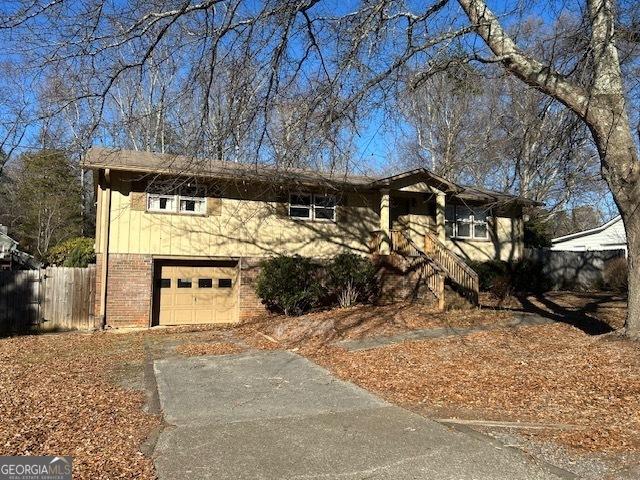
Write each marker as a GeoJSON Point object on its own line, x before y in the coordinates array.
{"type": "Point", "coordinates": [616, 274]}
{"type": "Point", "coordinates": [505, 278]}
{"type": "Point", "coordinates": [488, 272]}
{"type": "Point", "coordinates": [289, 284]}
{"type": "Point", "coordinates": [74, 252]}
{"type": "Point", "coordinates": [351, 279]}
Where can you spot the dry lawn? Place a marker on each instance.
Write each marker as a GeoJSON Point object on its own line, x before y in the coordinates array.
{"type": "Point", "coordinates": [58, 397]}
{"type": "Point", "coordinates": [593, 311]}
{"type": "Point", "coordinates": [363, 321]}
{"type": "Point", "coordinates": [553, 374]}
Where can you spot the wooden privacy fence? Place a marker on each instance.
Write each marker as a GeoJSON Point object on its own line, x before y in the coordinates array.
{"type": "Point", "coordinates": [54, 298]}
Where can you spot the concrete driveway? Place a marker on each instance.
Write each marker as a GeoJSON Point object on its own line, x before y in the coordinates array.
{"type": "Point", "coordinates": [276, 415]}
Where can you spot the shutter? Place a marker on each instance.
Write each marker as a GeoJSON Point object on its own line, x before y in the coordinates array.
{"type": "Point", "coordinates": [282, 205]}
{"type": "Point", "coordinates": [342, 210]}
{"type": "Point", "coordinates": [138, 201]}
{"type": "Point", "coordinates": [214, 206]}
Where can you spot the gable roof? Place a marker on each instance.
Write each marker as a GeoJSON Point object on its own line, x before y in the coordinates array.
{"type": "Point", "coordinates": [590, 231]}
{"type": "Point", "coordinates": [169, 164]}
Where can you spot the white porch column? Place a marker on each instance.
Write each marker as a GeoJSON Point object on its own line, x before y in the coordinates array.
{"type": "Point", "coordinates": [440, 215]}
{"type": "Point", "coordinates": [385, 222]}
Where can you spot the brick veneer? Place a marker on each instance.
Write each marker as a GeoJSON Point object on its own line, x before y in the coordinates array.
{"type": "Point", "coordinates": [400, 280]}
{"type": "Point", "coordinates": [129, 289]}
{"type": "Point", "coordinates": [250, 304]}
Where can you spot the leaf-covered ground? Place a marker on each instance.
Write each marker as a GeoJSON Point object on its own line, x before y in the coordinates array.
{"type": "Point", "coordinates": [58, 397]}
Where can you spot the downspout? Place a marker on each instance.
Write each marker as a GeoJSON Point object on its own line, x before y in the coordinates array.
{"type": "Point", "coordinates": [105, 218]}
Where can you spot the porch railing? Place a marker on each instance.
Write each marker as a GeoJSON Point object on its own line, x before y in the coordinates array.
{"type": "Point", "coordinates": [457, 270]}
{"type": "Point", "coordinates": [436, 262]}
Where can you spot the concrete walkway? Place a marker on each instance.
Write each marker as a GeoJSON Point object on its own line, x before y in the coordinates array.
{"type": "Point", "coordinates": [520, 320]}
{"type": "Point", "coordinates": [275, 415]}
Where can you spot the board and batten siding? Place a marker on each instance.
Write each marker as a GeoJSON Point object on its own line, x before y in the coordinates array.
{"type": "Point", "coordinates": [241, 227]}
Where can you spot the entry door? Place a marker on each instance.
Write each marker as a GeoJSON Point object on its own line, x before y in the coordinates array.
{"type": "Point", "coordinates": [197, 294]}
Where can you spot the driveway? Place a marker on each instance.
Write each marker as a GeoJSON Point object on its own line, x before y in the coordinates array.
{"type": "Point", "coordinates": [276, 415]}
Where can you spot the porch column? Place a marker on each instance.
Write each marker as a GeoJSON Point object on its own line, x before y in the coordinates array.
{"type": "Point", "coordinates": [385, 222]}
{"type": "Point", "coordinates": [440, 215]}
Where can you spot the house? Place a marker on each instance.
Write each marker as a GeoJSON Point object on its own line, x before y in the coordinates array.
{"type": "Point", "coordinates": [11, 258]}
{"type": "Point", "coordinates": [610, 236]}
{"type": "Point", "coordinates": [7, 246]}
{"type": "Point", "coordinates": [179, 241]}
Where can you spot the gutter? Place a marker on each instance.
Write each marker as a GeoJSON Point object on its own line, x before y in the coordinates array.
{"type": "Point", "coordinates": [105, 218]}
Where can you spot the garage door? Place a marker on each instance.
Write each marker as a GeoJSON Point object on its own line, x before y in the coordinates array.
{"type": "Point", "coordinates": [189, 294]}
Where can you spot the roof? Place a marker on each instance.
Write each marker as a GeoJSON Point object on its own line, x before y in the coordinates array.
{"type": "Point", "coordinates": [590, 231]}
{"type": "Point", "coordinates": [170, 164]}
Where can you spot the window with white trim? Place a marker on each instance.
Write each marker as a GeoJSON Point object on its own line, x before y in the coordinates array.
{"type": "Point", "coordinates": [466, 222]}
{"type": "Point", "coordinates": [189, 201]}
{"type": "Point", "coordinates": [306, 206]}
{"type": "Point", "coordinates": [161, 203]}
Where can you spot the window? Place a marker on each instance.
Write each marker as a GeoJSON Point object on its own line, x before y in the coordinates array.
{"type": "Point", "coordinates": [164, 282]}
{"type": "Point", "coordinates": [189, 200]}
{"type": "Point", "coordinates": [161, 203]}
{"type": "Point", "coordinates": [466, 222]}
{"type": "Point", "coordinates": [224, 283]}
{"type": "Point", "coordinates": [300, 206]}
{"type": "Point", "coordinates": [324, 207]}
{"type": "Point", "coordinates": [184, 283]}
{"type": "Point", "coordinates": [192, 200]}
{"type": "Point", "coordinates": [312, 207]}
{"type": "Point", "coordinates": [205, 283]}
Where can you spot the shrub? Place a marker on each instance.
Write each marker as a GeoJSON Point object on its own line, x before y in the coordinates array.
{"type": "Point", "coordinates": [75, 252]}
{"type": "Point", "coordinates": [488, 272]}
{"type": "Point", "coordinates": [504, 279]}
{"type": "Point", "coordinates": [351, 278]}
{"type": "Point", "coordinates": [616, 274]}
{"type": "Point", "coordinates": [290, 285]}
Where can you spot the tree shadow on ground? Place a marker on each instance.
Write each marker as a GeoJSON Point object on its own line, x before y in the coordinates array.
{"type": "Point", "coordinates": [582, 317]}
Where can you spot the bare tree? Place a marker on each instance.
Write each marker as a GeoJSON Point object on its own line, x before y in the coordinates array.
{"type": "Point", "coordinates": [345, 60]}
{"type": "Point", "coordinates": [600, 103]}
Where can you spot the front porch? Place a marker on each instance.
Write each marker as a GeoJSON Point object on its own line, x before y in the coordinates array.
{"type": "Point", "coordinates": [412, 237]}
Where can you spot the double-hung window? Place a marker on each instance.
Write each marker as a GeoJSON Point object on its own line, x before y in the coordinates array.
{"type": "Point", "coordinates": [466, 222]}
{"type": "Point", "coordinates": [307, 206]}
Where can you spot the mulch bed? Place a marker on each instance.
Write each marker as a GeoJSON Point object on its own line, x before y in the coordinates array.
{"type": "Point", "coordinates": [57, 398]}
{"type": "Point", "coordinates": [208, 348]}
{"type": "Point", "coordinates": [549, 374]}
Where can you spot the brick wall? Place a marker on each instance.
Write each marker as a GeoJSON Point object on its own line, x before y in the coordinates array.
{"type": "Point", "coordinates": [129, 290]}
{"type": "Point", "coordinates": [250, 304]}
{"type": "Point", "coordinates": [400, 281]}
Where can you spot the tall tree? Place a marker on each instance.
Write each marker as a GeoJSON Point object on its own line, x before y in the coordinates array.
{"type": "Point", "coordinates": [599, 101]}
{"type": "Point", "coordinates": [45, 201]}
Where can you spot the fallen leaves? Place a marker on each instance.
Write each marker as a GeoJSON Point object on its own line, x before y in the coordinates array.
{"type": "Point", "coordinates": [365, 321]}
{"type": "Point", "coordinates": [547, 373]}
{"type": "Point", "coordinates": [56, 399]}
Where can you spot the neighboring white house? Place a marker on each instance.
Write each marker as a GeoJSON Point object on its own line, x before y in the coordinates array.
{"type": "Point", "coordinates": [610, 236]}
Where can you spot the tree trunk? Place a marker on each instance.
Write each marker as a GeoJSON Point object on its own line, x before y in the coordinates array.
{"type": "Point", "coordinates": [609, 124]}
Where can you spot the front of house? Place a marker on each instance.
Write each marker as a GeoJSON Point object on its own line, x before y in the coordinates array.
{"type": "Point", "coordinates": [179, 241]}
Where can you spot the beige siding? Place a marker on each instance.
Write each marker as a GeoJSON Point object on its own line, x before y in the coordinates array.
{"type": "Point", "coordinates": [505, 243]}
{"type": "Point", "coordinates": [251, 225]}
{"type": "Point", "coordinates": [250, 228]}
